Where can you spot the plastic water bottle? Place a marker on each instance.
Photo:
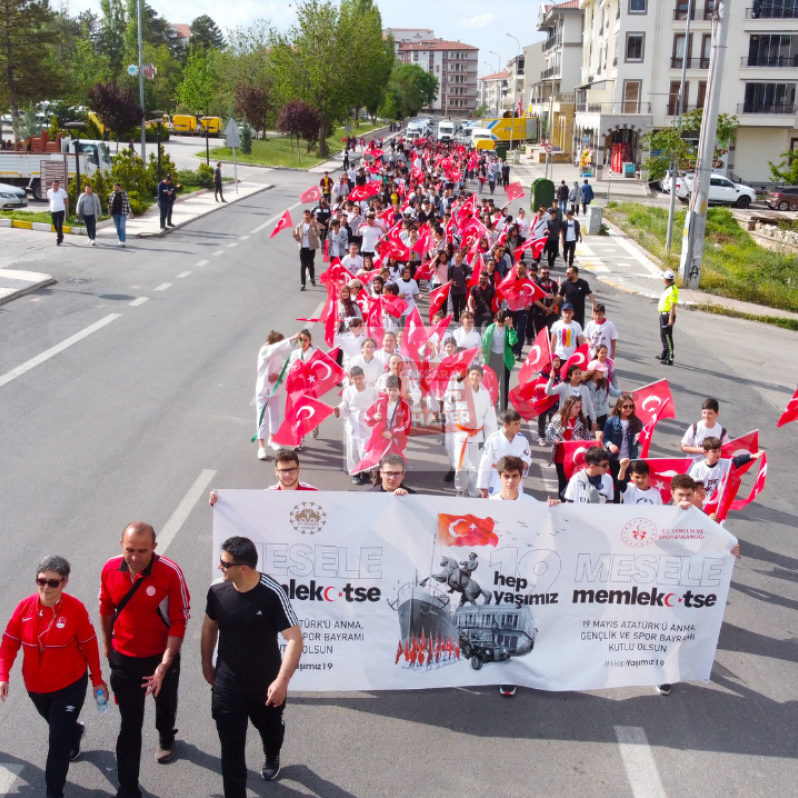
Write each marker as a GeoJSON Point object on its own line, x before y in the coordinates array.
{"type": "Point", "coordinates": [102, 702]}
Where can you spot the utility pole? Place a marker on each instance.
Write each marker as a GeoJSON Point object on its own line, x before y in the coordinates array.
{"type": "Point", "coordinates": [141, 92]}
{"type": "Point", "coordinates": [680, 101]}
{"type": "Point", "coordinates": [696, 222]}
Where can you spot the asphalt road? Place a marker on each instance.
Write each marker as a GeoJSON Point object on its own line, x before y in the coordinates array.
{"type": "Point", "coordinates": [136, 419]}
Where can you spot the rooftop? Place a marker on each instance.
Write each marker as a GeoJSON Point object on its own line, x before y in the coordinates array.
{"type": "Point", "coordinates": [182, 30]}
{"type": "Point", "coordinates": [503, 75]}
{"type": "Point", "coordinates": [435, 44]}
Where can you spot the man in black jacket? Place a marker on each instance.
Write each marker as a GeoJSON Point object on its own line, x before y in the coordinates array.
{"type": "Point", "coordinates": [392, 475]}
{"type": "Point", "coordinates": [166, 198]}
{"type": "Point", "coordinates": [553, 243]}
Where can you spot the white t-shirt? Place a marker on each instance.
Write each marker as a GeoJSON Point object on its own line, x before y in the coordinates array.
{"type": "Point", "coordinates": [566, 338]}
{"type": "Point", "coordinates": [354, 265]}
{"type": "Point", "coordinates": [467, 340]}
{"type": "Point", "coordinates": [523, 227]}
{"type": "Point", "coordinates": [57, 199]}
{"type": "Point", "coordinates": [522, 497]}
{"type": "Point", "coordinates": [634, 495]}
{"type": "Point", "coordinates": [598, 335]}
{"type": "Point", "coordinates": [577, 492]}
{"type": "Point", "coordinates": [570, 230]}
{"type": "Point", "coordinates": [711, 476]}
{"type": "Point", "coordinates": [371, 235]}
{"type": "Point", "coordinates": [305, 235]}
{"type": "Point", "coordinates": [408, 290]}
{"type": "Point", "coordinates": [696, 433]}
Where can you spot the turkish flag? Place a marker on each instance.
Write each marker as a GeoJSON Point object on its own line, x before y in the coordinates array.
{"type": "Point", "coordinates": [393, 305]}
{"type": "Point", "coordinates": [663, 470]}
{"type": "Point", "coordinates": [399, 252]}
{"type": "Point", "coordinates": [727, 492]}
{"type": "Point", "coordinates": [439, 328]}
{"type": "Point", "coordinates": [647, 433]}
{"type": "Point", "coordinates": [530, 399]}
{"type": "Point", "coordinates": [514, 191]}
{"type": "Point", "coordinates": [283, 222]}
{"type": "Point", "coordinates": [538, 357]}
{"type": "Point", "coordinates": [337, 273]}
{"type": "Point", "coordinates": [325, 373]}
{"type": "Point", "coordinates": [313, 194]}
{"type": "Point", "coordinates": [425, 271]}
{"type": "Point", "coordinates": [491, 382]}
{"type": "Point", "coordinates": [466, 530]}
{"type": "Point", "coordinates": [424, 242]}
{"type": "Point", "coordinates": [298, 380]}
{"type": "Point", "coordinates": [437, 299]}
{"type": "Point", "coordinates": [331, 321]}
{"type": "Point", "coordinates": [579, 358]}
{"type": "Point", "coordinates": [301, 417]}
{"type": "Point", "coordinates": [574, 454]}
{"type": "Point", "coordinates": [748, 443]}
{"type": "Point", "coordinates": [519, 293]}
{"type": "Point", "coordinates": [759, 485]}
{"type": "Point", "coordinates": [326, 254]}
{"type": "Point", "coordinates": [790, 412]}
{"type": "Point", "coordinates": [535, 245]}
{"type": "Point", "coordinates": [358, 193]}
{"type": "Point", "coordinates": [452, 366]}
{"type": "Point", "coordinates": [650, 397]}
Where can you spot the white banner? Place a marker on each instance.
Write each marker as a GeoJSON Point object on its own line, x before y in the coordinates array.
{"type": "Point", "coordinates": [415, 591]}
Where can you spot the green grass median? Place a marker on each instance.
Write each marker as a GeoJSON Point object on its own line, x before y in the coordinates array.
{"type": "Point", "coordinates": [734, 264]}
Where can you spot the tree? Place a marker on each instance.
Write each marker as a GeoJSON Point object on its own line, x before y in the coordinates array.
{"type": "Point", "coordinates": [116, 107]}
{"type": "Point", "coordinates": [786, 169]}
{"type": "Point", "coordinates": [198, 88]}
{"type": "Point", "coordinates": [111, 36]}
{"type": "Point", "coordinates": [306, 63]}
{"type": "Point", "coordinates": [669, 145]}
{"type": "Point", "coordinates": [253, 103]}
{"type": "Point", "coordinates": [482, 111]}
{"type": "Point", "coordinates": [26, 33]}
{"type": "Point", "coordinates": [425, 83]}
{"type": "Point", "coordinates": [245, 60]}
{"type": "Point", "coordinates": [301, 120]}
{"type": "Point", "coordinates": [206, 34]}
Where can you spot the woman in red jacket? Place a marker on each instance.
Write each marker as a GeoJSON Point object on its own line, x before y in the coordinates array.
{"type": "Point", "coordinates": [58, 646]}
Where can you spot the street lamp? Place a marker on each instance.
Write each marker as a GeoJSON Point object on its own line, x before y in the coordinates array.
{"type": "Point", "coordinates": [159, 121]}
{"type": "Point", "coordinates": [515, 80]}
{"type": "Point", "coordinates": [77, 127]}
{"type": "Point", "coordinates": [498, 60]}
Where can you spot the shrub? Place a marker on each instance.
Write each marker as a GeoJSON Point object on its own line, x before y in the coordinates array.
{"type": "Point", "coordinates": [167, 166]}
{"type": "Point", "coordinates": [246, 139]}
{"type": "Point", "coordinates": [205, 174]}
{"type": "Point", "coordinates": [130, 172]}
{"type": "Point", "coordinates": [136, 205]}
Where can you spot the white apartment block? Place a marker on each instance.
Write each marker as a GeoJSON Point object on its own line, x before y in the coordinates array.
{"type": "Point", "coordinates": [493, 90]}
{"type": "Point", "coordinates": [631, 64]}
{"type": "Point", "coordinates": [454, 64]}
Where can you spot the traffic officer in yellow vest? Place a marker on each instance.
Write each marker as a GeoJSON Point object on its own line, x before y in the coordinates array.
{"type": "Point", "coordinates": [667, 317]}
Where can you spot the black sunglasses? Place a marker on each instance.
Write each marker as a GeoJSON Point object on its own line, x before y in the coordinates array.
{"type": "Point", "coordinates": [49, 582]}
{"type": "Point", "coordinates": [227, 565]}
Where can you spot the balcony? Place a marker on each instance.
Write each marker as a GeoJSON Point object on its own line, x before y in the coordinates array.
{"type": "Point", "coordinates": [673, 108]}
{"type": "Point", "coordinates": [766, 108]}
{"type": "Point", "coordinates": [613, 109]}
{"type": "Point", "coordinates": [770, 62]}
{"type": "Point", "coordinates": [692, 63]}
{"type": "Point", "coordinates": [695, 13]}
{"type": "Point", "coordinates": [550, 72]}
{"type": "Point", "coordinates": [549, 43]}
{"type": "Point", "coordinates": [774, 11]}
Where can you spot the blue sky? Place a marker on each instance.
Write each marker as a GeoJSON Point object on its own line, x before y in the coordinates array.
{"type": "Point", "coordinates": [485, 25]}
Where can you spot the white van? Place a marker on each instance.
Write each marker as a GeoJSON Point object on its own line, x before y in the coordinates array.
{"type": "Point", "coordinates": [480, 134]}
{"type": "Point", "coordinates": [445, 131]}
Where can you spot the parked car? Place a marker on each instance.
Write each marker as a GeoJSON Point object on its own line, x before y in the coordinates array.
{"type": "Point", "coordinates": [722, 191]}
{"type": "Point", "coordinates": [785, 199]}
{"type": "Point", "coordinates": [12, 197]}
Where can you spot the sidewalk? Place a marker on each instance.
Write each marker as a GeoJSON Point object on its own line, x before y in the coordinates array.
{"type": "Point", "coordinates": [15, 283]}
{"type": "Point", "coordinates": [622, 263]}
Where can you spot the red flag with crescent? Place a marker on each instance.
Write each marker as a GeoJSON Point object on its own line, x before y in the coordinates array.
{"type": "Point", "coordinates": [313, 194]}
{"type": "Point", "coordinates": [790, 412]}
{"type": "Point", "coordinates": [574, 453]}
{"type": "Point", "coordinates": [647, 433]}
{"type": "Point", "coordinates": [466, 530]}
{"type": "Point", "coordinates": [536, 245]}
{"type": "Point", "coordinates": [491, 382]}
{"type": "Point", "coordinates": [538, 357]}
{"type": "Point", "coordinates": [519, 293]}
{"type": "Point", "coordinates": [663, 470]}
{"type": "Point", "coordinates": [283, 222]}
{"type": "Point", "coordinates": [437, 299]}
{"type": "Point", "coordinates": [730, 487]}
{"type": "Point", "coordinates": [579, 358]}
{"type": "Point", "coordinates": [650, 397]}
{"type": "Point", "coordinates": [438, 378]}
{"type": "Point", "coordinates": [530, 399]}
{"type": "Point", "coordinates": [748, 443]}
{"type": "Point", "coordinates": [325, 373]}
{"type": "Point", "coordinates": [301, 417]}
{"type": "Point", "coordinates": [514, 191]}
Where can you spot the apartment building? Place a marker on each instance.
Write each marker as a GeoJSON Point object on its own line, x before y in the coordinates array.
{"type": "Point", "coordinates": [552, 94]}
{"type": "Point", "coordinates": [632, 57]}
{"type": "Point", "coordinates": [455, 65]}
{"type": "Point", "coordinates": [492, 91]}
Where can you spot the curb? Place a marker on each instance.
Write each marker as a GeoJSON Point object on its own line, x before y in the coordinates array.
{"type": "Point", "coordinates": [28, 289]}
{"type": "Point", "coordinates": [162, 233]}
{"type": "Point", "coordinates": [42, 227]}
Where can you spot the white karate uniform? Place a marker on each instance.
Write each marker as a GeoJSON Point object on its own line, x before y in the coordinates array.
{"type": "Point", "coordinates": [372, 369]}
{"type": "Point", "coordinates": [496, 447]}
{"type": "Point", "coordinates": [298, 354]}
{"type": "Point", "coordinates": [357, 432]}
{"type": "Point", "coordinates": [469, 340]}
{"type": "Point", "coordinates": [408, 384]}
{"type": "Point", "coordinates": [473, 411]}
{"type": "Point", "coordinates": [271, 360]}
{"type": "Point", "coordinates": [350, 346]}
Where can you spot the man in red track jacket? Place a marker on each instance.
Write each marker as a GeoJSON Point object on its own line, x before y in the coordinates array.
{"type": "Point", "coordinates": [144, 607]}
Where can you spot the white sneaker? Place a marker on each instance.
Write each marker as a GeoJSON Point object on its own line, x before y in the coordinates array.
{"type": "Point", "coordinates": [94, 242]}
{"type": "Point", "coordinates": [262, 455]}
{"type": "Point", "coordinates": [89, 241]}
{"type": "Point", "coordinates": [315, 432]}
{"type": "Point", "coordinates": [119, 244]}
{"type": "Point", "coordinates": [275, 446]}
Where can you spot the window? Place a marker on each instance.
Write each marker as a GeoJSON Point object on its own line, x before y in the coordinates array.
{"type": "Point", "coordinates": [702, 94]}
{"type": "Point", "coordinates": [636, 6]}
{"type": "Point", "coordinates": [631, 96]}
{"type": "Point", "coordinates": [673, 97]}
{"type": "Point", "coordinates": [706, 50]}
{"type": "Point", "coordinates": [679, 53]}
{"type": "Point", "coordinates": [763, 98]}
{"type": "Point", "coordinates": [634, 46]}
{"type": "Point", "coordinates": [773, 49]}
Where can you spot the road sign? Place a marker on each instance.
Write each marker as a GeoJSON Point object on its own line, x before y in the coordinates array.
{"type": "Point", "coordinates": [132, 70]}
{"type": "Point", "coordinates": [50, 170]}
{"type": "Point", "coordinates": [149, 71]}
{"type": "Point", "coordinates": [585, 139]}
{"type": "Point", "coordinates": [549, 149]}
{"type": "Point", "coordinates": [232, 134]}
{"type": "Point", "coordinates": [347, 128]}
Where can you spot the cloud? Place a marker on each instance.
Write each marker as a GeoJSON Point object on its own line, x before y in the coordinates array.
{"type": "Point", "coordinates": [477, 22]}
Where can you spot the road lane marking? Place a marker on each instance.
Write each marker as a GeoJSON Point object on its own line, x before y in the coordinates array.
{"type": "Point", "coordinates": [9, 773]}
{"type": "Point", "coordinates": [232, 244]}
{"type": "Point", "coordinates": [140, 301]}
{"type": "Point", "coordinates": [179, 516]}
{"type": "Point", "coordinates": [243, 238]}
{"type": "Point", "coordinates": [218, 252]}
{"type": "Point", "coordinates": [182, 275]}
{"type": "Point", "coordinates": [203, 263]}
{"type": "Point", "coordinates": [274, 218]}
{"type": "Point", "coordinates": [162, 287]}
{"type": "Point", "coordinates": [47, 354]}
{"type": "Point", "coordinates": [639, 763]}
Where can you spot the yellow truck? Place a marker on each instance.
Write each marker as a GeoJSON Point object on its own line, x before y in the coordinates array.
{"type": "Point", "coordinates": [189, 125]}
{"type": "Point", "coordinates": [523, 129]}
